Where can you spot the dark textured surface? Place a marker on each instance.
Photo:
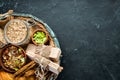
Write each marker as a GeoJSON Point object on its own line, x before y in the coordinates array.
{"type": "Point", "coordinates": [88, 31]}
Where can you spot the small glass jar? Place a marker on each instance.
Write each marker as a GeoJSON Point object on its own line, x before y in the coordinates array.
{"type": "Point", "coordinates": [17, 32]}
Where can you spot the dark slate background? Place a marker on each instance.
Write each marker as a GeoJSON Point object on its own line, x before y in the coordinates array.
{"type": "Point", "coordinates": [88, 32]}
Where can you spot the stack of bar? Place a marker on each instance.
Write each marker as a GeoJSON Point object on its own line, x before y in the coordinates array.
{"type": "Point", "coordinates": [47, 56]}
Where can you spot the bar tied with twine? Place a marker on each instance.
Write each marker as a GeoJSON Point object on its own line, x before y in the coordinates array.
{"type": "Point", "coordinates": [42, 59]}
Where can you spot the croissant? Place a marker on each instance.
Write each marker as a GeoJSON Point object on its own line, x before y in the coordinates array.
{"type": "Point", "coordinates": [6, 76]}
{"type": "Point", "coordinates": [24, 78]}
{"type": "Point", "coordinates": [31, 78]}
{"type": "Point", "coordinates": [20, 78]}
